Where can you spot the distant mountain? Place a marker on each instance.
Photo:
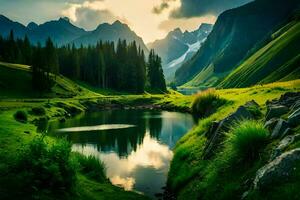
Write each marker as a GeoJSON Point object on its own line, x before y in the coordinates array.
{"type": "Point", "coordinates": [177, 47]}
{"type": "Point", "coordinates": [6, 25]}
{"type": "Point", "coordinates": [110, 32]}
{"type": "Point", "coordinates": [63, 32]}
{"type": "Point", "coordinates": [235, 33]}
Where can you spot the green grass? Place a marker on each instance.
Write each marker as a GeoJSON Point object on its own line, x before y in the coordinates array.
{"type": "Point", "coordinates": [16, 83]}
{"type": "Point", "coordinates": [188, 168]}
{"type": "Point", "coordinates": [278, 60]}
{"type": "Point", "coordinates": [207, 102]}
{"type": "Point", "coordinates": [15, 136]}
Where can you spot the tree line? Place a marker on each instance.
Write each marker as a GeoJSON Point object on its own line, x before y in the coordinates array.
{"type": "Point", "coordinates": [120, 66]}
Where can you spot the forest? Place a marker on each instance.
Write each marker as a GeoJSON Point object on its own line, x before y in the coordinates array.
{"type": "Point", "coordinates": [121, 66]}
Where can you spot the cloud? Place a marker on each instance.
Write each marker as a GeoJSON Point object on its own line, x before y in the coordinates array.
{"type": "Point", "coordinates": [90, 13]}
{"type": "Point", "coordinates": [194, 8]}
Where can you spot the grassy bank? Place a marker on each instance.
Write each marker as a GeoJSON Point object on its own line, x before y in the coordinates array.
{"type": "Point", "coordinates": [190, 175]}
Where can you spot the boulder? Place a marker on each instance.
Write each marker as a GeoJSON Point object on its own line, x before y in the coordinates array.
{"type": "Point", "coordinates": [276, 111]}
{"type": "Point", "coordinates": [283, 144]}
{"type": "Point", "coordinates": [294, 118]}
{"type": "Point", "coordinates": [215, 135]}
{"type": "Point", "coordinates": [277, 171]}
{"type": "Point", "coordinates": [280, 129]}
{"type": "Point", "coordinates": [270, 125]}
{"type": "Point", "coordinates": [296, 105]}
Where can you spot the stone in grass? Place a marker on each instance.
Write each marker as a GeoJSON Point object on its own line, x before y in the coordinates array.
{"type": "Point", "coordinates": [280, 129]}
{"type": "Point", "coordinates": [283, 145]}
{"type": "Point", "coordinates": [294, 118]}
{"type": "Point", "coordinates": [276, 111]}
{"type": "Point", "coordinates": [277, 171]}
{"type": "Point", "coordinates": [270, 125]}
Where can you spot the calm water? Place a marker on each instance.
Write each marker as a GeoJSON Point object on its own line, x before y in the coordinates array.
{"type": "Point", "coordinates": [136, 146]}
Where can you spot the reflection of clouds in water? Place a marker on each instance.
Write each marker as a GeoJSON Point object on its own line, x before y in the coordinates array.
{"type": "Point", "coordinates": [151, 154]}
{"type": "Point", "coordinates": [127, 183]}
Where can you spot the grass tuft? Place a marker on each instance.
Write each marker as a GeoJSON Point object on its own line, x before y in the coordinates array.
{"type": "Point", "coordinates": [21, 116]}
{"type": "Point", "coordinates": [206, 103]}
{"type": "Point", "coordinates": [92, 167]}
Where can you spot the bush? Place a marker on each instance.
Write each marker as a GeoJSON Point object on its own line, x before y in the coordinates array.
{"type": "Point", "coordinates": [206, 103]}
{"type": "Point", "coordinates": [246, 139]}
{"type": "Point", "coordinates": [92, 167]}
{"type": "Point", "coordinates": [46, 167]}
{"type": "Point", "coordinates": [38, 111]}
{"type": "Point", "coordinates": [21, 116]}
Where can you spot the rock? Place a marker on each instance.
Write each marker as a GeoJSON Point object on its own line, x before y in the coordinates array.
{"type": "Point", "coordinates": [283, 144]}
{"type": "Point", "coordinates": [277, 171]}
{"type": "Point", "coordinates": [270, 125]}
{"type": "Point", "coordinates": [280, 129]}
{"type": "Point", "coordinates": [216, 133]}
{"type": "Point", "coordinates": [296, 105]}
{"type": "Point", "coordinates": [294, 118]}
{"type": "Point", "coordinates": [251, 103]}
{"type": "Point", "coordinates": [276, 111]}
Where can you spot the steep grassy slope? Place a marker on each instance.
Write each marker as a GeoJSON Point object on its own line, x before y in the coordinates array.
{"type": "Point", "coordinates": [15, 82]}
{"type": "Point", "coordinates": [278, 60]}
{"type": "Point", "coordinates": [235, 33]}
{"type": "Point", "coordinates": [188, 169]}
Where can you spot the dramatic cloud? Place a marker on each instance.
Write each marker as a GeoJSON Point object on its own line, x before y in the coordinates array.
{"type": "Point", "coordinates": [90, 14]}
{"type": "Point", "coordinates": [192, 8]}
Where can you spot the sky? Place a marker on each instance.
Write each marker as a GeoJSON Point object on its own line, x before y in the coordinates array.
{"type": "Point", "coordinates": [150, 19]}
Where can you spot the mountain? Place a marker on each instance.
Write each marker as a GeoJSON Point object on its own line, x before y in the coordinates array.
{"type": "Point", "coordinates": [6, 25]}
{"type": "Point", "coordinates": [236, 32]}
{"type": "Point", "coordinates": [63, 32]}
{"type": "Point", "coordinates": [278, 60]}
{"type": "Point", "coordinates": [110, 32]}
{"type": "Point", "coordinates": [177, 47]}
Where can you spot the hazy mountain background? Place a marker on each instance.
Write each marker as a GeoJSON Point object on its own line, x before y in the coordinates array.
{"type": "Point", "coordinates": [63, 32]}
{"type": "Point", "coordinates": [178, 47]}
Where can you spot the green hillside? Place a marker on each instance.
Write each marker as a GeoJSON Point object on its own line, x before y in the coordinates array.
{"type": "Point", "coordinates": [235, 34]}
{"type": "Point", "coordinates": [279, 60]}
{"type": "Point", "coordinates": [16, 82]}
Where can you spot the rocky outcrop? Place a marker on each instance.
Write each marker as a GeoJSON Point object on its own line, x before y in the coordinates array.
{"type": "Point", "coordinates": [294, 118]}
{"type": "Point", "coordinates": [276, 111]}
{"type": "Point", "coordinates": [280, 130]}
{"type": "Point", "coordinates": [284, 144]}
{"type": "Point", "coordinates": [277, 171]}
{"type": "Point", "coordinates": [216, 133]}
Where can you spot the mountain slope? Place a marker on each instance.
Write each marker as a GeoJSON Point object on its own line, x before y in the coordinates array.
{"type": "Point", "coordinates": [63, 32]}
{"type": "Point", "coordinates": [6, 25]}
{"type": "Point", "coordinates": [235, 33]}
{"type": "Point", "coordinates": [177, 47]}
{"type": "Point", "coordinates": [110, 32]}
{"type": "Point", "coordinates": [278, 60]}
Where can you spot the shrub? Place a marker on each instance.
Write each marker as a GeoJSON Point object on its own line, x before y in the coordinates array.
{"type": "Point", "coordinates": [206, 103]}
{"type": "Point", "coordinates": [21, 116]}
{"type": "Point", "coordinates": [38, 111]}
{"type": "Point", "coordinates": [46, 167]}
{"type": "Point", "coordinates": [246, 139]}
{"type": "Point", "coordinates": [92, 167]}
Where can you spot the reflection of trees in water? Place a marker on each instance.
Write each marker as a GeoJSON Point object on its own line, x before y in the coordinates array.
{"type": "Point", "coordinates": [155, 125]}
{"type": "Point", "coordinates": [122, 141]}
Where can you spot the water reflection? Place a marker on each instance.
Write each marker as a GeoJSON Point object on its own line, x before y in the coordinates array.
{"type": "Point", "coordinates": [138, 157]}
